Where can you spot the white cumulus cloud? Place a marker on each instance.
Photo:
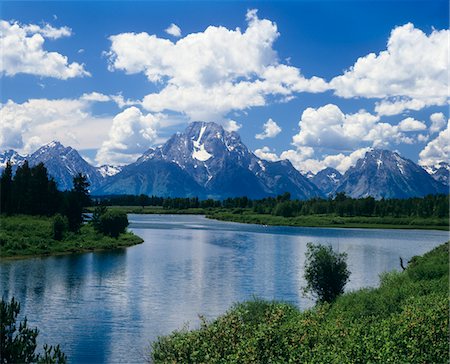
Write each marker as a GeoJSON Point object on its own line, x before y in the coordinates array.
{"type": "Point", "coordinates": [411, 73]}
{"type": "Point", "coordinates": [267, 154]}
{"type": "Point", "coordinates": [303, 161]}
{"type": "Point", "coordinates": [23, 51]}
{"type": "Point", "coordinates": [130, 135]}
{"type": "Point", "coordinates": [411, 124]}
{"type": "Point", "coordinates": [37, 121]}
{"type": "Point", "coordinates": [206, 75]}
{"type": "Point", "coordinates": [329, 128]}
{"type": "Point", "coordinates": [173, 30]}
{"type": "Point", "coordinates": [437, 122]}
{"type": "Point", "coordinates": [271, 130]}
{"type": "Point", "coordinates": [438, 149]}
{"type": "Point", "coordinates": [231, 125]}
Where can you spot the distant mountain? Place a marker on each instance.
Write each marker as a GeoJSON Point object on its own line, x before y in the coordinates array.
{"type": "Point", "coordinates": [384, 174]}
{"type": "Point", "coordinates": [12, 156]}
{"type": "Point", "coordinates": [63, 163]}
{"type": "Point", "coordinates": [207, 161]}
{"type": "Point", "coordinates": [108, 170]}
{"type": "Point", "coordinates": [327, 180]}
{"type": "Point", "coordinates": [440, 172]}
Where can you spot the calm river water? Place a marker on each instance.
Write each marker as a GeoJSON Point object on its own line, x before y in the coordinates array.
{"type": "Point", "coordinates": [107, 307]}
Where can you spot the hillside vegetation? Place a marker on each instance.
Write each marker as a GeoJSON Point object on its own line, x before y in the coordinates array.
{"type": "Point", "coordinates": [405, 320]}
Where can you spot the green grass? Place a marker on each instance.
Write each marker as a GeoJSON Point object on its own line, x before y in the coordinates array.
{"type": "Point", "coordinates": [156, 210]}
{"type": "Point", "coordinates": [405, 320]}
{"type": "Point", "coordinates": [24, 235]}
{"type": "Point", "coordinates": [249, 217]}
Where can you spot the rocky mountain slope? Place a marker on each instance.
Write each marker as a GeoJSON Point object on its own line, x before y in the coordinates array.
{"type": "Point", "coordinates": [384, 174]}
{"type": "Point", "coordinates": [207, 161]}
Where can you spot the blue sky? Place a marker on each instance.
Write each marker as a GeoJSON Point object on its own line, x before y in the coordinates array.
{"type": "Point", "coordinates": [107, 78]}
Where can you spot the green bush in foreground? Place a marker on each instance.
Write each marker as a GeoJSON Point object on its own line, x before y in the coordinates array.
{"type": "Point", "coordinates": [405, 320]}
{"type": "Point", "coordinates": [325, 272]}
{"type": "Point", "coordinates": [18, 345]}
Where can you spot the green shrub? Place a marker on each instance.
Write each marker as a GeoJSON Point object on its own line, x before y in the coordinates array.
{"type": "Point", "coordinates": [326, 272]}
{"type": "Point", "coordinates": [60, 225]}
{"type": "Point", "coordinates": [18, 345]}
{"type": "Point", "coordinates": [405, 320]}
{"type": "Point", "coordinates": [113, 223]}
{"type": "Point", "coordinates": [98, 212]}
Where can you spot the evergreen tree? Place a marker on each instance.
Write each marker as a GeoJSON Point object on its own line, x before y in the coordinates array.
{"type": "Point", "coordinates": [81, 189]}
{"type": "Point", "coordinates": [76, 200]}
{"type": "Point", "coordinates": [18, 345]}
{"type": "Point", "coordinates": [6, 190]}
{"type": "Point", "coordinates": [39, 192]}
{"type": "Point", "coordinates": [21, 193]}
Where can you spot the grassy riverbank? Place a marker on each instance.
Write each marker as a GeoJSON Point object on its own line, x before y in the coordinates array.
{"type": "Point", "coordinates": [24, 235]}
{"type": "Point", "coordinates": [248, 216]}
{"type": "Point", "coordinates": [405, 320]}
{"type": "Point", "coordinates": [155, 210]}
{"type": "Point", "coordinates": [328, 220]}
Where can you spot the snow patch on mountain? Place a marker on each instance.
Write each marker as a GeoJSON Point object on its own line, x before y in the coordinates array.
{"type": "Point", "coordinates": [200, 152]}
{"type": "Point", "coordinates": [108, 170]}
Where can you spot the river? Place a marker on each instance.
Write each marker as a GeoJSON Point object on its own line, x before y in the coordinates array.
{"type": "Point", "coordinates": [106, 307]}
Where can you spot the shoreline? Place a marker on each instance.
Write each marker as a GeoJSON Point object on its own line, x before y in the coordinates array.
{"type": "Point", "coordinates": [69, 252]}
{"type": "Point", "coordinates": [348, 225]}
{"type": "Point", "coordinates": [247, 216]}
{"type": "Point", "coordinates": [324, 221]}
{"type": "Point", "coordinates": [26, 236]}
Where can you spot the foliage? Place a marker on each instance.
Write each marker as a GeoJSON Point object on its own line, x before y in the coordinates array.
{"type": "Point", "coordinates": [422, 212]}
{"type": "Point", "coordinates": [330, 220]}
{"type": "Point", "coordinates": [95, 221]}
{"type": "Point", "coordinates": [113, 223]}
{"type": "Point", "coordinates": [18, 345]}
{"type": "Point", "coordinates": [32, 192]}
{"type": "Point", "coordinates": [24, 235]}
{"type": "Point", "coordinates": [60, 225]}
{"type": "Point", "coordinates": [77, 199]}
{"type": "Point", "coordinates": [29, 192]}
{"type": "Point", "coordinates": [405, 320]}
{"type": "Point", "coordinates": [325, 272]}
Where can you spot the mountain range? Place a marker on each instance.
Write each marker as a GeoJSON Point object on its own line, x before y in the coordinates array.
{"type": "Point", "coordinates": [210, 162]}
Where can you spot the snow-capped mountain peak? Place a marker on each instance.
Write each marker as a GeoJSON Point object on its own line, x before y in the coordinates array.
{"type": "Point", "coordinates": [63, 163]}
{"type": "Point", "coordinates": [11, 156]}
{"type": "Point", "coordinates": [385, 174]}
{"type": "Point", "coordinates": [206, 160]}
{"type": "Point", "coordinates": [327, 180]}
{"type": "Point", "coordinates": [440, 172]}
{"type": "Point", "coordinates": [107, 170]}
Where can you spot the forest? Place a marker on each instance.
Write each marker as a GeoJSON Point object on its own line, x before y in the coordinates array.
{"type": "Point", "coordinates": [32, 192]}
{"type": "Point", "coordinates": [282, 205]}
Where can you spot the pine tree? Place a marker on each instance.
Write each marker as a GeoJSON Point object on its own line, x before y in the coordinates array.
{"type": "Point", "coordinates": [6, 189]}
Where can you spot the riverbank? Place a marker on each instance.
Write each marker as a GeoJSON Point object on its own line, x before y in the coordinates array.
{"type": "Point", "coordinates": [333, 221]}
{"type": "Point", "coordinates": [24, 236]}
{"type": "Point", "coordinates": [248, 216]}
{"type": "Point", "coordinates": [406, 319]}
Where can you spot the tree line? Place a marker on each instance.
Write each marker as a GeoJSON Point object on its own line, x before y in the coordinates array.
{"type": "Point", "coordinates": [30, 191]}
{"type": "Point", "coordinates": [282, 205]}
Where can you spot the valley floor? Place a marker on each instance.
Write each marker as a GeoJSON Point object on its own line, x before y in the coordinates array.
{"type": "Point", "coordinates": [405, 320]}
{"type": "Point", "coordinates": [25, 236]}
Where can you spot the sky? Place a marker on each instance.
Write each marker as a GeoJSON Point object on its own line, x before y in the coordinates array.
{"type": "Point", "coordinates": [315, 82]}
